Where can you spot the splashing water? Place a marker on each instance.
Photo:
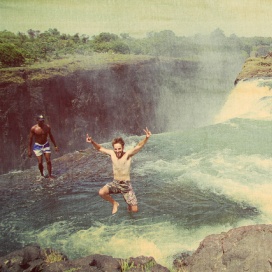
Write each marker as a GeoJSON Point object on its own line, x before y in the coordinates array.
{"type": "Point", "coordinates": [189, 184]}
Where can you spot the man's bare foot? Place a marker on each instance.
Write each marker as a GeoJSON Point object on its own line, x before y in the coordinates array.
{"type": "Point", "coordinates": [132, 208]}
{"type": "Point", "coordinates": [115, 207]}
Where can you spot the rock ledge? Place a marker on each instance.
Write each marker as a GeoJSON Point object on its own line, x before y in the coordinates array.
{"type": "Point", "coordinates": [241, 249]}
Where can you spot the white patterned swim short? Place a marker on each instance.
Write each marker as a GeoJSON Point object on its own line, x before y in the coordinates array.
{"type": "Point", "coordinates": [40, 149]}
{"type": "Point", "coordinates": [123, 187]}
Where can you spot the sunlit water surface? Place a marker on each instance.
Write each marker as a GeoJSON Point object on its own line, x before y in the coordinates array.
{"type": "Point", "coordinates": [189, 184]}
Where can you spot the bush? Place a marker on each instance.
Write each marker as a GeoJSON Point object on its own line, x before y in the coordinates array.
{"type": "Point", "coordinates": [10, 55]}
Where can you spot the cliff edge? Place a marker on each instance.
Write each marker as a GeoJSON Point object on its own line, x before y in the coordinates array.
{"type": "Point", "coordinates": [241, 249]}
{"type": "Point", "coordinates": [256, 68]}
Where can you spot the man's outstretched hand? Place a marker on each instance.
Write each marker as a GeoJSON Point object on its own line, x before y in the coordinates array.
{"type": "Point", "coordinates": [147, 132]}
{"type": "Point", "coordinates": [88, 138]}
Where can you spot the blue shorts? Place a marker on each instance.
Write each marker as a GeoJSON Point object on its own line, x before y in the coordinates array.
{"type": "Point", "coordinates": [39, 149]}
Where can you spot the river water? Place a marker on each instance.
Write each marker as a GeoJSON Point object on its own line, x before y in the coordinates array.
{"type": "Point", "coordinates": [189, 184]}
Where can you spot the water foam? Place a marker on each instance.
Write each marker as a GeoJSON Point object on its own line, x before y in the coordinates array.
{"type": "Point", "coordinates": [247, 101]}
{"type": "Point", "coordinates": [241, 178]}
{"type": "Point", "coordinates": [163, 241]}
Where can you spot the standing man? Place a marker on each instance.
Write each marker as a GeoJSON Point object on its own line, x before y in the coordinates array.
{"type": "Point", "coordinates": [121, 162]}
{"type": "Point", "coordinates": [41, 147]}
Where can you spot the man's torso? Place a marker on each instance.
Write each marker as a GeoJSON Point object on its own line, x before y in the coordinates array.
{"type": "Point", "coordinates": [40, 133]}
{"type": "Point", "coordinates": [121, 167]}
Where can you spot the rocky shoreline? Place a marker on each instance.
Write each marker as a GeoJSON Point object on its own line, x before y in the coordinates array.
{"type": "Point", "coordinates": [245, 248]}
{"type": "Point", "coordinates": [33, 258]}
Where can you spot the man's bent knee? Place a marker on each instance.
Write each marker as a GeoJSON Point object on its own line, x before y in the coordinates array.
{"type": "Point", "coordinates": [103, 191]}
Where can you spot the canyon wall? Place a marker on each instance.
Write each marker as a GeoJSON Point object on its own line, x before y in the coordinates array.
{"type": "Point", "coordinates": [110, 99]}
{"type": "Point", "coordinates": [122, 98]}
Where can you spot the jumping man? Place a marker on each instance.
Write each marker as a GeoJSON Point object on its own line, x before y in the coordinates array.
{"type": "Point", "coordinates": [41, 131]}
{"type": "Point", "coordinates": [121, 162]}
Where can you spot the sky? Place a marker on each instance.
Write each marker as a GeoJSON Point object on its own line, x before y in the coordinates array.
{"type": "Point", "coordinates": [245, 18]}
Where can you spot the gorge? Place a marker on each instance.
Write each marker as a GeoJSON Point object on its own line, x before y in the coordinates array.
{"type": "Point", "coordinates": [119, 96]}
{"type": "Point", "coordinates": [194, 179]}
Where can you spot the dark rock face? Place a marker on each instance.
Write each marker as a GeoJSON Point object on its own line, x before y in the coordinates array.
{"type": "Point", "coordinates": [243, 249]}
{"type": "Point", "coordinates": [122, 98]}
{"type": "Point", "coordinates": [33, 259]}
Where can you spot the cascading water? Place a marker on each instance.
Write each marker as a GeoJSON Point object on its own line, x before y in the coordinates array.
{"type": "Point", "coordinates": [189, 184]}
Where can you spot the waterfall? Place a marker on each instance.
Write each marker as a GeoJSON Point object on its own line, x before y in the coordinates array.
{"type": "Point", "coordinates": [249, 99]}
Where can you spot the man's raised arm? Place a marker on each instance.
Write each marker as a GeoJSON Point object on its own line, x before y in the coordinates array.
{"type": "Point", "coordinates": [97, 146]}
{"type": "Point", "coordinates": [141, 144]}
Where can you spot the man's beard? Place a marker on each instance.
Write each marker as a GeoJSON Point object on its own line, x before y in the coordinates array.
{"type": "Point", "coordinates": [119, 154]}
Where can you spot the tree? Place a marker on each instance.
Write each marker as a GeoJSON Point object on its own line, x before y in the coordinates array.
{"type": "Point", "coordinates": [105, 42]}
{"type": "Point", "coordinates": [76, 38]}
{"type": "Point", "coordinates": [33, 33]}
{"type": "Point", "coordinates": [54, 32]}
{"type": "Point", "coordinates": [120, 47]}
{"type": "Point", "coordinates": [10, 56]}
{"type": "Point", "coordinates": [218, 38]}
{"type": "Point", "coordinates": [84, 38]}
{"type": "Point", "coordinates": [22, 36]}
{"type": "Point", "coordinates": [105, 37]}
{"type": "Point", "coordinates": [218, 34]}
{"type": "Point", "coordinates": [125, 36]}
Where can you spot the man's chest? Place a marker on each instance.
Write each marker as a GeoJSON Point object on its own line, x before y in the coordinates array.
{"type": "Point", "coordinates": [41, 131]}
{"type": "Point", "coordinates": [121, 163]}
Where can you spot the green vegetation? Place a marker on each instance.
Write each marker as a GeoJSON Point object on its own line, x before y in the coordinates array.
{"type": "Point", "coordinates": [126, 265]}
{"type": "Point", "coordinates": [52, 256]}
{"type": "Point", "coordinates": [67, 65]}
{"type": "Point", "coordinates": [147, 267]}
{"type": "Point", "coordinates": [10, 55]}
{"type": "Point", "coordinates": [36, 47]}
{"type": "Point", "coordinates": [256, 67]}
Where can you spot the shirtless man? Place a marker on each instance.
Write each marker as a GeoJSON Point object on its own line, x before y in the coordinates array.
{"type": "Point", "coordinates": [41, 131]}
{"type": "Point", "coordinates": [121, 162]}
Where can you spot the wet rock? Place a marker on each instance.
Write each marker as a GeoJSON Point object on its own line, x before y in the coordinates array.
{"type": "Point", "coordinates": [242, 249]}
{"type": "Point", "coordinates": [182, 260]}
{"type": "Point", "coordinates": [143, 263]}
{"type": "Point", "coordinates": [30, 254]}
{"type": "Point", "coordinates": [34, 259]}
{"type": "Point", "coordinates": [104, 263]}
{"type": "Point", "coordinates": [20, 260]}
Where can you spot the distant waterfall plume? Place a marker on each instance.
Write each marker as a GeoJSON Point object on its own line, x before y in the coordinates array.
{"type": "Point", "coordinates": [249, 99]}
